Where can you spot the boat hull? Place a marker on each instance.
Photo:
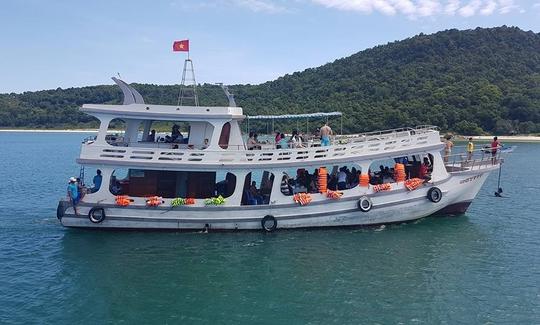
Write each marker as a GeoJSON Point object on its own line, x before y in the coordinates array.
{"type": "Point", "coordinates": [388, 207]}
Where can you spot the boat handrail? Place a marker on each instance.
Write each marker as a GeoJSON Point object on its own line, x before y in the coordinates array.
{"type": "Point", "coordinates": [474, 160]}
{"type": "Point", "coordinates": [311, 143]}
{"type": "Point", "coordinates": [212, 155]}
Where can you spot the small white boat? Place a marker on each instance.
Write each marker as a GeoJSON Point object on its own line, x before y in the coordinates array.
{"type": "Point", "coordinates": [210, 180]}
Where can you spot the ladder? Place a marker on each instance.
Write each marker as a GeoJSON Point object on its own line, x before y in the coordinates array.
{"type": "Point", "coordinates": [81, 175]}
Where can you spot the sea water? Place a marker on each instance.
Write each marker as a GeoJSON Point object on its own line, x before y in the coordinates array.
{"type": "Point", "coordinates": [482, 267]}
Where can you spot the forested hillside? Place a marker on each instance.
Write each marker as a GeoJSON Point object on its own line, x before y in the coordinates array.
{"type": "Point", "coordinates": [470, 82]}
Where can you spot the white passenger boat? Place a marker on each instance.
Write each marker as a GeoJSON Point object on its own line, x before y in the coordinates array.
{"type": "Point", "coordinates": [210, 180]}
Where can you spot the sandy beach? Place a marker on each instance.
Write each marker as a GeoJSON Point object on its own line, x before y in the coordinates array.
{"type": "Point", "coordinates": [502, 138]}
{"type": "Point", "coordinates": [51, 131]}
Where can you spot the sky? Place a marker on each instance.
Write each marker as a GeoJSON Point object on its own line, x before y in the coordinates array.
{"type": "Point", "coordinates": [60, 43]}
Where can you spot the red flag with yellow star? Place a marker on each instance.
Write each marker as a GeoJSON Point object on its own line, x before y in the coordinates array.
{"type": "Point", "coordinates": [181, 46]}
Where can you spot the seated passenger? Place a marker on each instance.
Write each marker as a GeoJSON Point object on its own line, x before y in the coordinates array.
{"type": "Point", "coordinates": [257, 143]}
{"type": "Point", "coordinates": [255, 193]}
{"type": "Point", "coordinates": [295, 141]}
{"type": "Point", "coordinates": [251, 143]}
{"type": "Point", "coordinates": [152, 136]}
{"type": "Point", "coordinates": [423, 172]}
{"type": "Point", "coordinates": [286, 186]}
{"type": "Point", "coordinates": [342, 179]}
{"type": "Point", "coordinates": [175, 133]}
{"type": "Point", "coordinates": [427, 162]}
{"type": "Point", "coordinates": [97, 182]}
{"type": "Point", "coordinates": [115, 187]}
{"type": "Point", "coordinates": [283, 144]}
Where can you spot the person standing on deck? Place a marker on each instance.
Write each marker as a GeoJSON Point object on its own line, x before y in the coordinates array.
{"type": "Point", "coordinates": [470, 149]}
{"type": "Point", "coordinates": [325, 133]}
{"type": "Point", "coordinates": [277, 139]}
{"type": "Point", "coordinates": [73, 193]}
{"type": "Point", "coordinates": [495, 145]}
{"type": "Point", "coordinates": [448, 148]}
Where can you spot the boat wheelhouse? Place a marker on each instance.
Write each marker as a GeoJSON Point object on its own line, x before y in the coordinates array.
{"type": "Point", "coordinates": [204, 175]}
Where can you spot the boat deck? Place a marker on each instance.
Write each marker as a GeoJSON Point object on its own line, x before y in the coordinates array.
{"type": "Point", "coordinates": [342, 148]}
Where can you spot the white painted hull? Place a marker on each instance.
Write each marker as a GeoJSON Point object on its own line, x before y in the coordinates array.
{"type": "Point", "coordinates": [398, 205]}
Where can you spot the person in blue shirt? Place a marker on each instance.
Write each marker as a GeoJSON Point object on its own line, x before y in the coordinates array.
{"type": "Point", "coordinates": [73, 193]}
{"type": "Point", "coordinates": [97, 182]}
{"type": "Point", "coordinates": [283, 142]}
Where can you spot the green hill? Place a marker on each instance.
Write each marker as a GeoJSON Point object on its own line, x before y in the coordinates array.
{"type": "Point", "coordinates": [471, 81]}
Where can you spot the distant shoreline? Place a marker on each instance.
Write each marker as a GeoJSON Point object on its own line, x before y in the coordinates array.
{"type": "Point", "coordinates": [486, 138]}
{"type": "Point", "coordinates": [50, 130]}
{"type": "Point", "coordinates": [502, 138]}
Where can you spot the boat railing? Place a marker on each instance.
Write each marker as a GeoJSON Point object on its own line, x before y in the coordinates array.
{"type": "Point", "coordinates": [475, 160]}
{"type": "Point", "coordinates": [341, 148]}
{"type": "Point", "coordinates": [241, 156]}
{"type": "Point", "coordinates": [310, 142]}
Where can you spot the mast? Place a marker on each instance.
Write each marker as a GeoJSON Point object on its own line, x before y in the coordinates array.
{"type": "Point", "coordinates": [188, 86]}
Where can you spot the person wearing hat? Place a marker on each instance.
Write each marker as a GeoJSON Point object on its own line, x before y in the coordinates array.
{"type": "Point", "coordinates": [73, 193]}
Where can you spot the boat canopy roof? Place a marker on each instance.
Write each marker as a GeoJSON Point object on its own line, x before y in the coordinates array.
{"type": "Point", "coordinates": [293, 116]}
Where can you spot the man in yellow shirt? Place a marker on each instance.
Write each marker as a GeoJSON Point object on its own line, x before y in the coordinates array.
{"type": "Point", "coordinates": [470, 149]}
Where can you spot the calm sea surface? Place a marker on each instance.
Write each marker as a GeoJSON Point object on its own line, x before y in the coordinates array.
{"type": "Point", "coordinates": [480, 268]}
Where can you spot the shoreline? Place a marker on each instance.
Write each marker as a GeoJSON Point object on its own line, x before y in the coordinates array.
{"type": "Point", "coordinates": [50, 130]}
{"type": "Point", "coordinates": [502, 138]}
{"type": "Point", "coordinates": [482, 138]}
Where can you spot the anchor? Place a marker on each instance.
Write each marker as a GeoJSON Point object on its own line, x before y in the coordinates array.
{"type": "Point", "coordinates": [499, 191]}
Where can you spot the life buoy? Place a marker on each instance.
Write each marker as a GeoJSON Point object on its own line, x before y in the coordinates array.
{"type": "Point", "coordinates": [434, 194]}
{"type": "Point", "coordinates": [365, 204]}
{"type": "Point", "coordinates": [269, 223]}
{"type": "Point", "coordinates": [96, 214]}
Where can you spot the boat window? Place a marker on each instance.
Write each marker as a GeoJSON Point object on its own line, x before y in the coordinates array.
{"type": "Point", "coordinates": [116, 132]}
{"type": "Point", "coordinates": [225, 135]}
{"type": "Point", "coordinates": [171, 184]}
{"type": "Point", "coordinates": [175, 133]}
{"type": "Point", "coordinates": [414, 166]}
{"type": "Point", "coordinates": [302, 180]}
{"type": "Point", "coordinates": [257, 188]}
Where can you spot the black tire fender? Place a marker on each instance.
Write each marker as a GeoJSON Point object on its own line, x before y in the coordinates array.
{"type": "Point", "coordinates": [434, 194]}
{"type": "Point", "coordinates": [61, 210]}
{"type": "Point", "coordinates": [365, 204]}
{"type": "Point", "coordinates": [269, 223]}
{"type": "Point", "coordinates": [96, 214]}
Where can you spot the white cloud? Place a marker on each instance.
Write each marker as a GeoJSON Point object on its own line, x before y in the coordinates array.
{"type": "Point", "coordinates": [470, 9]}
{"type": "Point", "coordinates": [384, 7]}
{"type": "Point", "coordinates": [489, 8]}
{"type": "Point", "coordinates": [404, 6]}
{"type": "Point", "coordinates": [412, 9]}
{"type": "Point", "coordinates": [428, 7]}
{"type": "Point", "coordinates": [424, 8]}
{"type": "Point", "coordinates": [260, 6]}
{"type": "Point", "coordinates": [505, 6]}
{"type": "Point", "coordinates": [364, 6]}
{"type": "Point", "coordinates": [451, 7]}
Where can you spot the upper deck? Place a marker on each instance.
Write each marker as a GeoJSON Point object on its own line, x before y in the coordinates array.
{"type": "Point", "coordinates": [386, 143]}
{"type": "Point", "coordinates": [163, 112]}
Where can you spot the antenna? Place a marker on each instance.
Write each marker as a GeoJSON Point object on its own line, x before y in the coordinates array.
{"type": "Point", "coordinates": [230, 96]}
{"type": "Point", "coordinates": [188, 87]}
